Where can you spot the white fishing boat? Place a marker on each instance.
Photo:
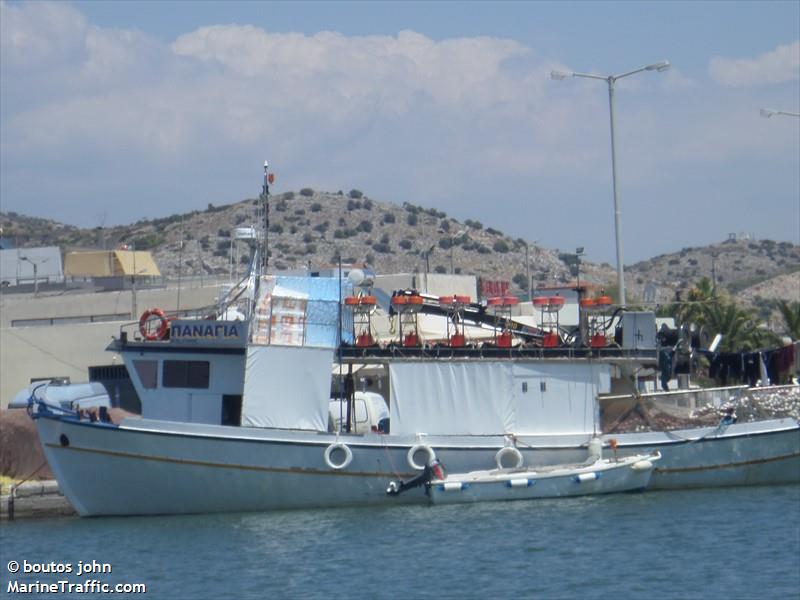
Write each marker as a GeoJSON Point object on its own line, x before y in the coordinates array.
{"type": "Point", "coordinates": [602, 476]}
{"type": "Point", "coordinates": [236, 410]}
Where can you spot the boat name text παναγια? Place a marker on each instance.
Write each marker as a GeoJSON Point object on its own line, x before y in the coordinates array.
{"type": "Point", "coordinates": [186, 331]}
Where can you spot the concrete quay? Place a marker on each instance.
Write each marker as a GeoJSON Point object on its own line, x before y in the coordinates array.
{"type": "Point", "coordinates": [33, 499]}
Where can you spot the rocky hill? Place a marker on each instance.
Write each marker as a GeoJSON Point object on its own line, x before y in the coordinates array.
{"type": "Point", "coordinates": [751, 271]}
{"type": "Point", "coordinates": [310, 227]}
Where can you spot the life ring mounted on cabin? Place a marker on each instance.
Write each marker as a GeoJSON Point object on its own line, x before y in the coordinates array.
{"type": "Point", "coordinates": [145, 324]}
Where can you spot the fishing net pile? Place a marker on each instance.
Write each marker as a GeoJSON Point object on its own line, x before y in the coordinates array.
{"type": "Point", "coordinates": [699, 408]}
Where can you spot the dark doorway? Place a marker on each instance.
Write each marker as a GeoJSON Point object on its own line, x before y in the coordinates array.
{"type": "Point", "coordinates": [231, 410]}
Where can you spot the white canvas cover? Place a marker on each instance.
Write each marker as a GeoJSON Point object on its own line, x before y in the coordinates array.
{"type": "Point", "coordinates": [287, 387]}
{"type": "Point", "coordinates": [557, 398]}
{"type": "Point", "coordinates": [450, 398]}
{"type": "Point", "coordinates": [495, 397]}
{"type": "Point", "coordinates": [292, 339]}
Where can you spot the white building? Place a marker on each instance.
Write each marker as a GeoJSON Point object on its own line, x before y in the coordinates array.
{"type": "Point", "coordinates": [21, 266]}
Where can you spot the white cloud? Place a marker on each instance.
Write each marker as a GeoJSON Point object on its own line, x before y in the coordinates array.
{"type": "Point", "coordinates": [464, 124]}
{"type": "Point", "coordinates": [778, 66]}
{"type": "Point", "coordinates": [675, 79]}
{"type": "Point", "coordinates": [39, 33]}
{"type": "Point", "coordinates": [240, 85]}
{"type": "Point", "coordinates": [397, 69]}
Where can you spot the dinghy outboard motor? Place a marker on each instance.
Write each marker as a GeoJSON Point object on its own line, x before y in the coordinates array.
{"type": "Point", "coordinates": [433, 471]}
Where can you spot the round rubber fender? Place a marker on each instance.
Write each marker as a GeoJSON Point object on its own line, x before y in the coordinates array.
{"type": "Point", "coordinates": [519, 460]}
{"type": "Point", "coordinates": [413, 451]}
{"type": "Point", "coordinates": [348, 455]}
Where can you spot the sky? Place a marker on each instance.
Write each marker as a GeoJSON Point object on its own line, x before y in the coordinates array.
{"type": "Point", "coordinates": [111, 112]}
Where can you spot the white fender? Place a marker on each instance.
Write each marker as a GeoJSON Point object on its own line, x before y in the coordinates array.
{"type": "Point", "coordinates": [348, 455]}
{"type": "Point", "coordinates": [414, 450]}
{"type": "Point", "coordinates": [519, 460]}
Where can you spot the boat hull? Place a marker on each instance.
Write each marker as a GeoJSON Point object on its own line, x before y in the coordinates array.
{"type": "Point", "coordinates": [760, 453]}
{"type": "Point", "coordinates": [157, 467]}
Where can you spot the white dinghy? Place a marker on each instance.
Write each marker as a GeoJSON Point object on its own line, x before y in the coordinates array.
{"type": "Point", "coordinates": [603, 476]}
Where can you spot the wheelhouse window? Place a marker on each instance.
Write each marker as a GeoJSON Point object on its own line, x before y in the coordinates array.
{"type": "Point", "coordinates": [147, 370]}
{"type": "Point", "coordinates": [186, 374]}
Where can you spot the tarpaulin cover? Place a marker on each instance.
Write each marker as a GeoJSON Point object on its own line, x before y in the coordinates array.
{"type": "Point", "coordinates": [287, 387]}
{"type": "Point", "coordinates": [495, 397]}
{"type": "Point", "coordinates": [293, 336]}
{"type": "Point", "coordinates": [451, 397]}
{"type": "Point", "coordinates": [557, 398]}
{"type": "Point", "coordinates": [300, 311]}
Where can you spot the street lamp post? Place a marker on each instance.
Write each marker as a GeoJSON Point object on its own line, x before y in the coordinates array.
{"type": "Point", "coordinates": [528, 273]}
{"type": "Point", "coordinates": [578, 253]}
{"type": "Point", "coordinates": [714, 274]}
{"type": "Point", "coordinates": [611, 80]}
{"type": "Point", "coordinates": [426, 254]}
{"type": "Point", "coordinates": [134, 311]}
{"type": "Point", "coordinates": [180, 271]}
{"type": "Point", "coordinates": [35, 273]}
{"type": "Point", "coordinates": [528, 269]}
{"type": "Point", "coordinates": [453, 238]}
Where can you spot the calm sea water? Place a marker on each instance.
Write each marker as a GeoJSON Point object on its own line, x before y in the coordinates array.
{"type": "Point", "coordinates": [729, 543]}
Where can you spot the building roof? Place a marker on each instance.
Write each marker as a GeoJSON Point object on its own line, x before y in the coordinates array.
{"type": "Point", "coordinates": [110, 263]}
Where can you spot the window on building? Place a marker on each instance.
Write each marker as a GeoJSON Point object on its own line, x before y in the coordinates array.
{"type": "Point", "coordinates": [186, 374]}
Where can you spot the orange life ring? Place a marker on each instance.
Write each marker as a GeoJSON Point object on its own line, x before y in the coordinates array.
{"type": "Point", "coordinates": [158, 334]}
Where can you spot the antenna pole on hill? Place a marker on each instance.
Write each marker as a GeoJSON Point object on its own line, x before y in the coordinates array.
{"type": "Point", "coordinates": [265, 201]}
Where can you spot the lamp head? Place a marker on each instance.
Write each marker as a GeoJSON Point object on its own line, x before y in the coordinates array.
{"type": "Point", "coordinates": [559, 75]}
{"type": "Point", "coordinates": [659, 66]}
{"type": "Point", "coordinates": [766, 113]}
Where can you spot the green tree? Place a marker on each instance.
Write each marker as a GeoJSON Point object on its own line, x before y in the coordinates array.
{"type": "Point", "coordinates": [690, 309]}
{"type": "Point", "coordinates": [737, 326]}
{"type": "Point", "coordinates": [790, 311]}
{"type": "Point", "coordinates": [500, 246]}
